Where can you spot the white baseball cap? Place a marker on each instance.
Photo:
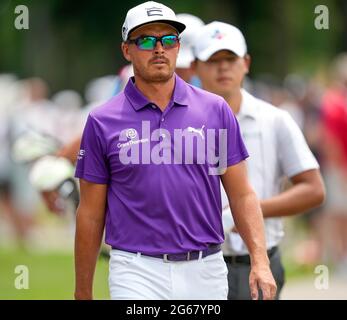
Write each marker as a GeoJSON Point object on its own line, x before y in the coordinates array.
{"type": "Point", "coordinates": [149, 12]}
{"type": "Point", "coordinates": [193, 26]}
{"type": "Point", "coordinates": [217, 36]}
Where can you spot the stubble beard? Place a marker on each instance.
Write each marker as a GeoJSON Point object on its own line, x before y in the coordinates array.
{"type": "Point", "coordinates": [158, 76]}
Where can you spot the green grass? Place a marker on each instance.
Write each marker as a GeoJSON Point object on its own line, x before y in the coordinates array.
{"type": "Point", "coordinates": [51, 276]}
{"type": "Point", "coordinates": [296, 271]}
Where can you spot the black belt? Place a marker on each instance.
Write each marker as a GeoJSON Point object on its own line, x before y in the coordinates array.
{"type": "Point", "coordinates": [246, 259]}
{"type": "Point", "coordinates": [186, 256]}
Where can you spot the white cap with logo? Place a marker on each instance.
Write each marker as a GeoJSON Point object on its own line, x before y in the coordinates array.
{"type": "Point", "coordinates": [149, 12]}
{"type": "Point", "coordinates": [217, 36]}
{"type": "Point", "coordinates": [193, 24]}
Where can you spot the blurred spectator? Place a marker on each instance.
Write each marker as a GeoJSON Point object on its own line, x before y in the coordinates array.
{"type": "Point", "coordinates": [334, 150]}
{"type": "Point", "coordinates": [308, 94]}
{"type": "Point", "coordinates": [294, 87]}
{"type": "Point", "coordinates": [97, 92]}
{"type": "Point", "coordinates": [68, 109]}
{"type": "Point", "coordinates": [12, 187]}
{"type": "Point", "coordinates": [185, 55]}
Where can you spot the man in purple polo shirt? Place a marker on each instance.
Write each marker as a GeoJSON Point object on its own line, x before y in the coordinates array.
{"type": "Point", "coordinates": [150, 165]}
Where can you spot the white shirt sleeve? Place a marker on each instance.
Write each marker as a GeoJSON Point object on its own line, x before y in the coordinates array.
{"type": "Point", "coordinates": [294, 154]}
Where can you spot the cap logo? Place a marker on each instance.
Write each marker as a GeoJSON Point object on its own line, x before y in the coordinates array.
{"type": "Point", "coordinates": [154, 11]}
{"type": "Point", "coordinates": [124, 31]}
{"type": "Point", "coordinates": [218, 35]}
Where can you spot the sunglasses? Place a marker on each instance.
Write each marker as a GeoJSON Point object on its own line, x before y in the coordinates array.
{"type": "Point", "coordinates": [150, 42]}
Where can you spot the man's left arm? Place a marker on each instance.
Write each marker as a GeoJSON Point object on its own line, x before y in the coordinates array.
{"type": "Point", "coordinates": [307, 192]}
{"type": "Point", "coordinates": [299, 164]}
{"type": "Point", "coordinates": [249, 222]}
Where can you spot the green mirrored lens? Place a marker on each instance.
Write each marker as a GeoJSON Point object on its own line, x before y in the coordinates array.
{"type": "Point", "coordinates": [169, 41]}
{"type": "Point", "coordinates": [149, 42]}
{"type": "Point", "coordinates": [146, 43]}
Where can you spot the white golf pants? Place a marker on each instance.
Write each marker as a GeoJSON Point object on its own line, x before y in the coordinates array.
{"type": "Point", "coordinates": [137, 277]}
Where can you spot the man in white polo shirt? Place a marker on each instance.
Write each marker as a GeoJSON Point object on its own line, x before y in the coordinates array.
{"type": "Point", "coordinates": [275, 144]}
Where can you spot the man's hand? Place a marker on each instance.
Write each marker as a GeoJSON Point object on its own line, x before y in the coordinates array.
{"type": "Point", "coordinates": [53, 202]}
{"type": "Point", "coordinates": [261, 278]}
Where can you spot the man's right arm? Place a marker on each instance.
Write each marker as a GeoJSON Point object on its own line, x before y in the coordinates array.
{"type": "Point", "coordinates": [90, 221]}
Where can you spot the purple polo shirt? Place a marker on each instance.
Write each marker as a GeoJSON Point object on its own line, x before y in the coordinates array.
{"type": "Point", "coordinates": [157, 207]}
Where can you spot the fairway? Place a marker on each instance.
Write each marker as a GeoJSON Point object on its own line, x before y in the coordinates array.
{"type": "Point", "coordinates": [51, 275]}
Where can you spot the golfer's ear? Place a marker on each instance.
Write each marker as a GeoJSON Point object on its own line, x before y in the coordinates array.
{"type": "Point", "coordinates": [125, 50]}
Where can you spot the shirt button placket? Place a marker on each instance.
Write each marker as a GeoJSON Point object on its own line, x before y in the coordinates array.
{"type": "Point", "coordinates": [161, 122]}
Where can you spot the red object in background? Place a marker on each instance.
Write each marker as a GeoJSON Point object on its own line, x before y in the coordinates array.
{"type": "Point", "coordinates": [334, 119]}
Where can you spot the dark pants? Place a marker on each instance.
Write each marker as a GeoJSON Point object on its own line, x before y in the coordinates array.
{"type": "Point", "coordinates": [238, 277]}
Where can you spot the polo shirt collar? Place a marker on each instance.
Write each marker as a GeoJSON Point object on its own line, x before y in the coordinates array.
{"type": "Point", "coordinates": [247, 108]}
{"type": "Point", "coordinates": [139, 101]}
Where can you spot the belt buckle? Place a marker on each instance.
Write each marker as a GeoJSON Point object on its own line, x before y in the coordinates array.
{"type": "Point", "coordinates": [165, 257]}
